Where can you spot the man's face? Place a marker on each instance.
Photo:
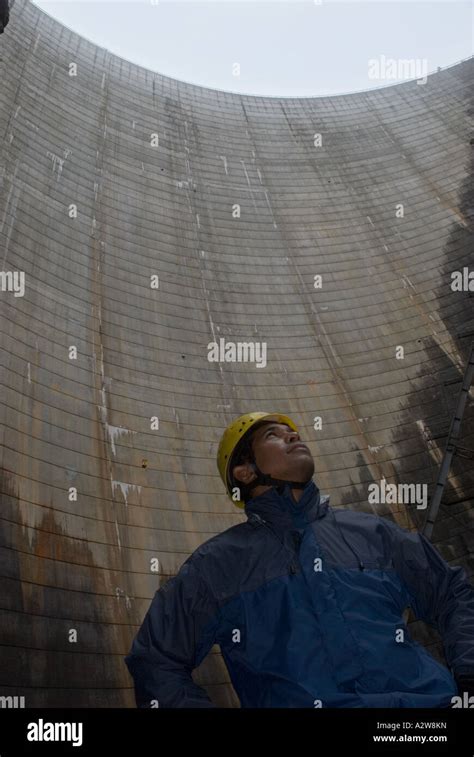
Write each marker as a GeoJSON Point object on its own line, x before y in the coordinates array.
{"type": "Point", "coordinates": [279, 452]}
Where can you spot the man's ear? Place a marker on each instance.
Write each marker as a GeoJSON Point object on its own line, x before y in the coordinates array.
{"type": "Point", "coordinates": [244, 473]}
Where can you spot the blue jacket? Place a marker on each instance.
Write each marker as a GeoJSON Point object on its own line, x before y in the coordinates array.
{"type": "Point", "coordinates": [306, 604]}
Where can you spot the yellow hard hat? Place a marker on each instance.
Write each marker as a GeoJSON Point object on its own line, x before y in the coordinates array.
{"type": "Point", "coordinates": [232, 436]}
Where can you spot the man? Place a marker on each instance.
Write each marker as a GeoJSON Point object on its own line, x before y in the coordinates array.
{"type": "Point", "coordinates": [4, 15]}
{"type": "Point", "coordinates": [306, 603]}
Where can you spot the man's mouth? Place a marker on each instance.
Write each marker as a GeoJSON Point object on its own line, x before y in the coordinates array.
{"type": "Point", "coordinates": [298, 446]}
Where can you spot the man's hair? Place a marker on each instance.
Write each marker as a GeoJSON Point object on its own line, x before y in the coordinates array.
{"type": "Point", "coordinates": [244, 454]}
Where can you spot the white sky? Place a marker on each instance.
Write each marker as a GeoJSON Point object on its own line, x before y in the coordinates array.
{"type": "Point", "coordinates": [289, 48]}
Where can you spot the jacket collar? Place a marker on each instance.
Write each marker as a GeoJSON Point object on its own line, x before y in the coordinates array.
{"type": "Point", "coordinates": [281, 509]}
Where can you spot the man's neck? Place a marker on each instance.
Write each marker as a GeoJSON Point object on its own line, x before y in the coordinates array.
{"type": "Point", "coordinates": [296, 494]}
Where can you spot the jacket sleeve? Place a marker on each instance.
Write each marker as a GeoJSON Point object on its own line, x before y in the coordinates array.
{"type": "Point", "coordinates": [177, 633]}
{"type": "Point", "coordinates": [439, 594]}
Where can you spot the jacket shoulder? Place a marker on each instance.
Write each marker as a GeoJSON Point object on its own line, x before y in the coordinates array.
{"type": "Point", "coordinates": [364, 520]}
{"type": "Point", "coordinates": [373, 536]}
{"type": "Point", "coordinates": [223, 560]}
{"type": "Point", "coordinates": [224, 544]}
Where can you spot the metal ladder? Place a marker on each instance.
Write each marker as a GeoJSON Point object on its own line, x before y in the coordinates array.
{"type": "Point", "coordinates": [451, 447]}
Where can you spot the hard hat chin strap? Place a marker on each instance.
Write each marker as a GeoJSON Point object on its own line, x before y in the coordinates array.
{"type": "Point", "coordinates": [266, 480]}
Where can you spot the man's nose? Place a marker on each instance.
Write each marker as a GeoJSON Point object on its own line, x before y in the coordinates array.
{"type": "Point", "coordinates": [293, 436]}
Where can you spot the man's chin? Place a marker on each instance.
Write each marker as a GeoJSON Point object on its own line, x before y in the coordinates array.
{"type": "Point", "coordinates": [303, 474]}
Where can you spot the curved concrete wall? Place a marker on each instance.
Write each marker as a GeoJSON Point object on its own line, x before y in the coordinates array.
{"type": "Point", "coordinates": [85, 140]}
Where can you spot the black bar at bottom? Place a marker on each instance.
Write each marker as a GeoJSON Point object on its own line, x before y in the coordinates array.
{"type": "Point", "coordinates": [322, 731]}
